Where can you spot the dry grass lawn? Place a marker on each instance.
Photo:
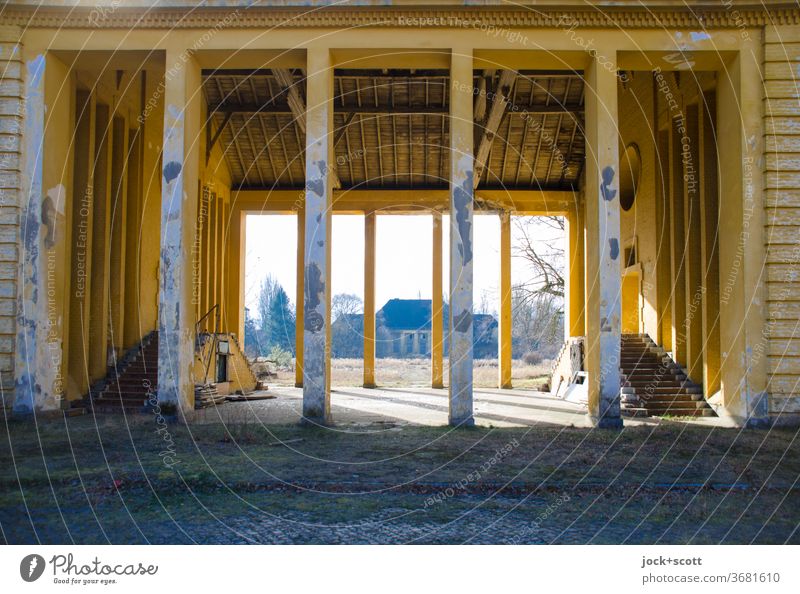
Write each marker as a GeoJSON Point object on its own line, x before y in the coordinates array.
{"type": "Point", "coordinates": [417, 373]}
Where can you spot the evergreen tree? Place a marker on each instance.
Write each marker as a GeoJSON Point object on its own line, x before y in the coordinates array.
{"type": "Point", "coordinates": [280, 320]}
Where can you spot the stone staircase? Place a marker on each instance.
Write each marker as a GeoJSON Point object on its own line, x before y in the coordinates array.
{"type": "Point", "coordinates": [131, 382]}
{"type": "Point", "coordinates": [654, 385]}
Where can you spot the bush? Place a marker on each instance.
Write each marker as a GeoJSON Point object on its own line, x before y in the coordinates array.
{"type": "Point", "coordinates": [532, 358]}
{"type": "Point", "coordinates": [280, 357]}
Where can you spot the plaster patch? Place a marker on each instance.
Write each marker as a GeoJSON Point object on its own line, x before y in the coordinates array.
{"type": "Point", "coordinates": [614, 245]}
{"type": "Point", "coordinates": [463, 321]}
{"type": "Point", "coordinates": [315, 287]}
{"type": "Point", "coordinates": [606, 190]}
{"type": "Point", "coordinates": [171, 171]}
{"type": "Point", "coordinates": [699, 35]}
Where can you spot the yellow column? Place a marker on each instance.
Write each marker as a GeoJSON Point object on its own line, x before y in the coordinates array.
{"type": "Point", "coordinates": [678, 245]}
{"type": "Point", "coordinates": [437, 342]}
{"type": "Point", "coordinates": [741, 251]}
{"type": "Point", "coordinates": [462, 196]}
{"type": "Point", "coordinates": [212, 251]}
{"type": "Point", "coordinates": [81, 244]}
{"type": "Point", "coordinates": [504, 335]}
{"type": "Point", "coordinates": [691, 257]}
{"type": "Point", "coordinates": [602, 242]}
{"type": "Point", "coordinates": [234, 312]}
{"type": "Point", "coordinates": [369, 300]}
{"type": "Point", "coordinates": [132, 330]}
{"type": "Point", "coordinates": [101, 246]}
{"type": "Point", "coordinates": [663, 255]}
{"type": "Point", "coordinates": [298, 336]}
{"type": "Point", "coordinates": [119, 206]}
{"type": "Point", "coordinates": [709, 245]}
{"type": "Point", "coordinates": [205, 248]}
{"type": "Point", "coordinates": [320, 163]}
{"type": "Point", "coordinates": [575, 294]}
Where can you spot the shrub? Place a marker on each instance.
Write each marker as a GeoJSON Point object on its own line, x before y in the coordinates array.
{"type": "Point", "coordinates": [532, 358]}
{"type": "Point", "coordinates": [280, 357]}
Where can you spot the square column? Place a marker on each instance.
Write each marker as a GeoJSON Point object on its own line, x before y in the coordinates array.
{"type": "Point", "coordinates": [234, 299]}
{"type": "Point", "coordinates": [320, 163]}
{"type": "Point", "coordinates": [603, 269]}
{"type": "Point", "coordinates": [437, 336]}
{"type": "Point", "coordinates": [504, 335]}
{"type": "Point", "coordinates": [742, 255]}
{"type": "Point", "coordinates": [575, 293]}
{"type": "Point", "coordinates": [180, 172]}
{"type": "Point", "coordinates": [298, 319]}
{"type": "Point", "coordinates": [369, 300]}
{"type": "Point", "coordinates": [462, 196]}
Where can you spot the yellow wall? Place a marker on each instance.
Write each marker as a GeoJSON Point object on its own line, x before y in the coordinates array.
{"type": "Point", "coordinates": [782, 230]}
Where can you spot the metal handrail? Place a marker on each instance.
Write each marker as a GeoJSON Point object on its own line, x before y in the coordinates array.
{"type": "Point", "coordinates": [213, 334]}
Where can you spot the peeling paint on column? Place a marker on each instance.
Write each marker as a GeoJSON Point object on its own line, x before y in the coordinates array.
{"type": "Point", "coordinates": [614, 248]}
{"type": "Point", "coordinates": [462, 196]}
{"type": "Point", "coordinates": [316, 275]}
{"type": "Point", "coordinates": [176, 332]}
{"type": "Point", "coordinates": [37, 368]}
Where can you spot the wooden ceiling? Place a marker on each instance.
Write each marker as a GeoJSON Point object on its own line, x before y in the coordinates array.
{"type": "Point", "coordinates": [391, 128]}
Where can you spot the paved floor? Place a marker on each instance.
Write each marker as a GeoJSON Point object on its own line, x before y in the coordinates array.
{"type": "Point", "coordinates": [419, 406]}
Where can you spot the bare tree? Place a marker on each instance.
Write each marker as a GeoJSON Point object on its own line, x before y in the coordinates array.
{"type": "Point", "coordinates": [344, 304]}
{"type": "Point", "coordinates": [543, 250]}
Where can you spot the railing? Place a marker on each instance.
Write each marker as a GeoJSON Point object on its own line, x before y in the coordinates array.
{"type": "Point", "coordinates": [214, 308]}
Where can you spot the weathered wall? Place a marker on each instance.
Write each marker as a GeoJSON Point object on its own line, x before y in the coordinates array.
{"type": "Point", "coordinates": [11, 110]}
{"type": "Point", "coordinates": [782, 221]}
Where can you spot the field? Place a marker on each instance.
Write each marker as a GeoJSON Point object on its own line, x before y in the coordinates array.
{"type": "Point", "coordinates": [417, 373]}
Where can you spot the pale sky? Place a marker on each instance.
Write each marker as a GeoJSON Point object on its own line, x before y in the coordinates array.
{"type": "Point", "coordinates": [403, 254]}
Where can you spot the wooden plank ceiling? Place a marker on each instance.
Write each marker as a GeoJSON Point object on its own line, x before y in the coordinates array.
{"type": "Point", "coordinates": [391, 128]}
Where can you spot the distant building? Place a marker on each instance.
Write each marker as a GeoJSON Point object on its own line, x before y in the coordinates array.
{"type": "Point", "coordinates": [403, 329]}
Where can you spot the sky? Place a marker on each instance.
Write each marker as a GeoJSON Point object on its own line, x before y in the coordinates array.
{"type": "Point", "coordinates": [403, 256]}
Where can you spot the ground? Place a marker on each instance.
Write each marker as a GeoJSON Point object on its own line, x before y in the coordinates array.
{"type": "Point", "coordinates": [417, 372]}
{"type": "Point", "coordinates": [390, 471]}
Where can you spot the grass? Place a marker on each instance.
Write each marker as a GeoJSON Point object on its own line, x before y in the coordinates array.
{"type": "Point", "coordinates": [105, 472]}
{"type": "Point", "coordinates": [416, 372]}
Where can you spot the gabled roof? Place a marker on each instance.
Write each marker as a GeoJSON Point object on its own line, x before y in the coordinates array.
{"type": "Point", "coordinates": [407, 314]}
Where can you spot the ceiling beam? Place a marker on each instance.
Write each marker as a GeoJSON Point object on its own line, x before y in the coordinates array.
{"type": "Point", "coordinates": [521, 202]}
{"type": "Point", "coordinates": [492, 121]}
{"type": "Point", "coordinates": [284, 109]}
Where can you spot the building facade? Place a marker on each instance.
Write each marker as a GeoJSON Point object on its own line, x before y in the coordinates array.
{"type": "Point", "coordinates": [136, 136]}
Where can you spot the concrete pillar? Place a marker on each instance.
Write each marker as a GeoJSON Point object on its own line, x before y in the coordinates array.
{"type": "Point", "coordinates": [437, 314]}
{"type": "Point", "coordinates": [504, 334]}
{"type": "Point", "coordinates": [44, 171]}
{"type": "Point", "coordinates": [603, 249]}
{"type": "Point", "coordinates": [225, 272]}
{"type": "Point", "coordinates": [575, 293]}
{"type": "Point", "coordinates": [709, 244]}
{"type": "Point", "coordinates": [692, 256]}
{"type": "Point", "coordinates": [369, 300]}
{"type": "Point", "coordinates": [462, 196]}
{"type": "Point", "coordinates": [81, 244]}
{"type": "Point", "coordinates": [131, 326]}
{"type": "Point", "coordinates": [180, 172]}
{"type": "Point", "coordinates": [320, 163]}
{"type": "Point", "coordinates": [101, 245]}
{"type": "Point", "coordinates": [119, 227]}
{"type": "Point", "coordinates": [677, 243]}
{"type": "Point", "coordinates": [298, 332]}
{"type": "Point", "coordinates": [741, 251]}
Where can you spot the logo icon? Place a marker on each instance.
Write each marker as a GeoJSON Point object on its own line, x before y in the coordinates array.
{"type": "Point", "coordinates": [31, 567]}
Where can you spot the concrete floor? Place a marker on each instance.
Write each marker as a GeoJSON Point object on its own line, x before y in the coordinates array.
{"type": "Point", "coordinates": [354, 406]}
